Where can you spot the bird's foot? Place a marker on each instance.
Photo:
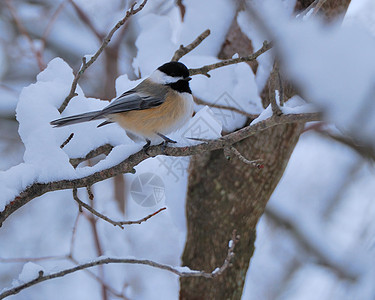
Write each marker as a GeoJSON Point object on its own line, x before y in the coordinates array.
{"type": "Point", "coordinates": [146, 147]}
{"type": "Point", "coordinates": [165, 138]}
{"type": "Point", "coordinates": [165, 142]}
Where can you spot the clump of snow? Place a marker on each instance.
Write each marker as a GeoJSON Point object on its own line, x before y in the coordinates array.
{"type": "Point", "coordinates": [30, 271]}
{"type": "Point", "coordinates": [296, 105]}
{"type": "Point", "coordinates": [335, 74]}
{"type": "Point", "coordinates": [44, 161]}
{"type": "Point", "coordinates": [184, 269]}
{"type": "Point", "coordinates": [267, 113]}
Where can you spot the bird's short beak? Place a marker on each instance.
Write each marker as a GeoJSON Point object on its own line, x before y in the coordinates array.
{"type": "Point", "coordinates": [187, 78]}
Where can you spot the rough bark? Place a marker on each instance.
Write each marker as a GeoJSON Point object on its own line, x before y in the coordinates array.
{"type": "Point", "coordinates": [225, 195]}
{"type": "Point", "coordinates": [232, 198]}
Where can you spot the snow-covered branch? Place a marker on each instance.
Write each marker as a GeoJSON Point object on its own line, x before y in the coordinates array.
{"type": "Point", "coordinates": [127, 165]}
{"type": "Point", "coordinates": [181, 272]}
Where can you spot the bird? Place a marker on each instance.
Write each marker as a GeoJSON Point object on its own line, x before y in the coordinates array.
{"type": "Point", "coordinates": [159, 105]}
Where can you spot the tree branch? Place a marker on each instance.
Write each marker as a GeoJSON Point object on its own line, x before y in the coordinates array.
{"type": "Point", "coordinates": [106, 41]}
{"type": "Point", "coordinates": [127, 165]}
{"type": "Point", "coordinates": [311, 245]}
{"type": "Point", "coordinates": [85, 19]}
{"type": "Point", "coordinates": [175, 270]}
{"type": "Point", "coordinates": [105, 218]}
{"type": "Point", "coordinates": [104, 149]}
{"type": "Point", "coordinates": [253, 163]}
{"type": "Point", "coordinates": [205, 69]}
{"type": "Point", "coordinates": [180, 52]}
{"type": "Point", "coordinates": [37, 53]}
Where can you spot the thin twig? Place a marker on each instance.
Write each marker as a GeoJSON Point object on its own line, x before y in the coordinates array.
{"type": "Point", "coordinates": [254, 163]}
{"type": "Point", "coordinates": [90, 193]}
{"type": "Point", "coordinates": [205, 69]}
{"type": "Point", "coordinates": [73, 237]}
{"type": "Point", "coordinates": [98, 245]}
{"type": "Point", "coordinates": [367, 151]}
{"type": "Point", "coordinates": [93, 211]}
{"type": "Point", "coordinates": [180, 52]}
{"type": "Point", "coordinates": [176, 270]}
{"type": "Point", "coordinates": [24, 32]}
{"type": "Point", "coordinates": [50, 23]}
{"type": "Point", "coordinates": [85, 19]}
{"type": "Point", "coordinates": [67, 140]}
{"type": "Point", "coordinates": [101, 282]}
{"type": "Point", "coordinates": [182, 8]}
{"type": "Point", "coordinates": [105, 218]}
{"type": "Point", "coordinates": [312, 245]}
{"type": "Point", "coordinates": [143, 219]}
{"type": "Point", "coordinates": [106, 41]}
{"type": "Point", "coordinates": [104, 149]}
{"type": "Point", "coordinates": [202, 102]}
{"type": "Point", "coordinates": [27, 259]}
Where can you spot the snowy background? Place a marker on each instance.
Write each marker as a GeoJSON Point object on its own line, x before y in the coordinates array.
{"type": "Point", "coordinates": [317, 237]}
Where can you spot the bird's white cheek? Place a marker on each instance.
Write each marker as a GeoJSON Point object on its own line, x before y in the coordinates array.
{"type": "Point", "coordinates": [189, 104]}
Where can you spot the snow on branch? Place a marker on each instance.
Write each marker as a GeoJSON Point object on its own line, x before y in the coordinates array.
{"type": "Point", "coordinates": [181, 272]}
{"type": "Point", "coordinates": [128, 164]}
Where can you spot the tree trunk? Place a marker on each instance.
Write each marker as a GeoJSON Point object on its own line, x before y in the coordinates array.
{"type": "Point", "coordinates": [225, 195]}
{"type": "Point", "coordinates": [234, 198]}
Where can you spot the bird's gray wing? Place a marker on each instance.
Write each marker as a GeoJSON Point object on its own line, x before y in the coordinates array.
{"type": "Point", "coordinates": [130, 100]}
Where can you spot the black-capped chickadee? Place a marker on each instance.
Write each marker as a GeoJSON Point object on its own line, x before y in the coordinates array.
{"type": "Point", "coordinates": [157, 106]}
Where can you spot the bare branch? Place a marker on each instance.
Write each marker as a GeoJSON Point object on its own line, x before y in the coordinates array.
{"type": "Point", "coordinates": [85, 19]}
{"type": "Point", "coordinates": [127, 165]}
{"type": "Point", "coordinates": [27, 259]}
{"type": "Point", "coordinates": [67, 140]}
{"type": "Point", "coordinates": [254, 163]}
{"type": "Point", "coordinates": [205, 69]}
{"type": "Point", "coordinates": [38, 54]}
{"type": "Point", "coordinates": [176, 270]}
{"type": "Point", "coordinates": [185, 50]}
{"type": "Point", "coordinates": [338, 266]}
{"type": "Point", "coordinates": [182, 8]}
{"type": "Point", "coordinates": [104, 149]}
{"type": "Point", "coordinates": [105, 218]}
{"type": "Point", "coordinates": [106, 41]}
{"type": "Point", "coordinates": [366, 151]}
{"type": "Point", "coordinates": [51, 21]}
{"type": "Point", "coordinates": [143, 219]}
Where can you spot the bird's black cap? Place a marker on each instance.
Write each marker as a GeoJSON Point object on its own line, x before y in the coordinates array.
{"type": "Point", "coordinates": [175, 69]}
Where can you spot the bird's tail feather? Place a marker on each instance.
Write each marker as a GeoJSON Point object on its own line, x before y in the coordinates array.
{"type": "Point", "coordinates": [94, 115]}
